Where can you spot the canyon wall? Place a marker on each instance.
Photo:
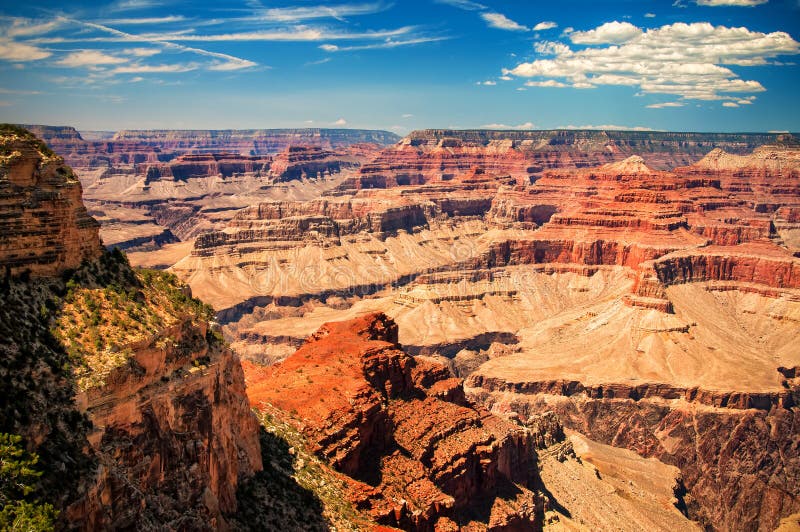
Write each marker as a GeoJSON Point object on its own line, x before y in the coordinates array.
{"type": "Point", "coordinates": [135, 406]}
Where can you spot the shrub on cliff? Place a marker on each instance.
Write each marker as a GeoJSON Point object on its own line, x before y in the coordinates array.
{"type": "Point", "coordinates": [20, 508]}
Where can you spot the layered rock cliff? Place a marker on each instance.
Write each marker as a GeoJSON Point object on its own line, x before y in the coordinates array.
{"type": "Point", "coordinates": [44, 227]}
{"type": "Point", "coordinates": [135, 406]}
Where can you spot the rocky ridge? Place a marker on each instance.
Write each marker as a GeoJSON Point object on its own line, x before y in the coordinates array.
{"type": "Point", "coordinates": [44, 227]}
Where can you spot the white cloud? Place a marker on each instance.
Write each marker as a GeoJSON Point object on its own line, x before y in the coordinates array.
{"type": "Point", "coordinates": [155, 69]}
{"type": "Point", "coordinates": [23, 27]}
{"type": "Point", "coordinates": [547, 25]}
{"type": "Point", "coordinates": [687, 60]}
{"type": "Point", "coordinates": [466, 5]}
{"type": "Point", "coordinates": [407, 115]}
{"type": "Point", "coordinates": [144, 20]}
{"type": "Point", "coordinates": [141, 52]}
{"type": "Point", "coordinates": [319, 61]}
{"type": "Point", "coordinates": [664, 105]}
{"type": "Point", "coordinates": [526, 125]}
{"type": "Point", "coordinates": [16, 51]}
{"type": "Point", "coordinates": [488, 82]}
{"type": "Point", "coordinates": [232, 64]}
{"type": "Point", "coordinates": [389, 43]}
{"type": "Point", "coordinates": [730, 104]}
{"type": "Point", "coordinates": [339, 12]}
{"type": "Point", "coordinates": [131, 5]}
{"type": "Point", "coordinates": [340, 122]}
{"type": "Point", "coordinates": [506, 78]}
{"type": "Point", "coordinates": [502, 22]}
{"type": "Point", "coordinates": [741, 3]}
{"type": "Point", "coordinates": [608, 33]}
{"type": "Point", "coordinates": [85, 58]}
{"type": "Point", "coordinates": [545, 83]}
{"type": "Point", "coordinates": [649, 15]}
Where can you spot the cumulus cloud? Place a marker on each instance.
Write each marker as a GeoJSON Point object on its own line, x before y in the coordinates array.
{"type": "Point", "coordinates": [340, 122]}
{"type": "Point", "coordinates": [526, 125]}
{"type": "Point", "coordinates": [487, 82]}
{"type": "Point", "coordinates": [686, 60]}
{"type": "Point", "coordinates": [649, 15]}
{"type": "Point", "coordinates": [608, 33]}
{"type": "Point", "coordinates": [545, 83]}
{"type": "Point", "coordinates": [547, 25]}
{"type": "Point", "coordinates": [730, 104]}
{"type": "Point", "coordinates": [502, 22]}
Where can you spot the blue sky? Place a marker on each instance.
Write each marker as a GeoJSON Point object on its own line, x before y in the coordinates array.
{"type": "Point", "coordinates": [685, 65]}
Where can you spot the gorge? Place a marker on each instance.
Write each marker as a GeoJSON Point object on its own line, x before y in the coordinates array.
{"type": "Point", "coordinates": [499, 330]}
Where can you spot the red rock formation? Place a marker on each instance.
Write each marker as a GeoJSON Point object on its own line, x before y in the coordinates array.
{"type": "Point", "coordinates": [420, 455]}
{"type": "Point", "coordinates": [173, 434]}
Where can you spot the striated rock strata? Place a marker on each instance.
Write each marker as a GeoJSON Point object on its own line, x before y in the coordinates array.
{"type": "Point", "coordinates": [44, 227]}
{"type": "Point", "coordinates": [114, 378]}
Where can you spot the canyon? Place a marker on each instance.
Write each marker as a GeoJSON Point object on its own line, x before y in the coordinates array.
{"type": "Point", "coordinates": [508, 330]}
{"type": "Point", "coordinates": [662, 303]}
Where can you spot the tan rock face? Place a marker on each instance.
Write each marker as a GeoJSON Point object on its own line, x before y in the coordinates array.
{"type": "Point", "coordinates": [44, 227]}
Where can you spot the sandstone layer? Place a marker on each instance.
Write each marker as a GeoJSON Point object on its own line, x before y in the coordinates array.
{"type": "Point", "coordinates": [604, 286]}
{"type": "Point", "coordinates": [44, 227]}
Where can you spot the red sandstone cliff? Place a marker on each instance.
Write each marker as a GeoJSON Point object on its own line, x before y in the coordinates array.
{"type": "Point", "coordinates": [44, 227]}
{"type": "Point", "coordinates": [419, 455]}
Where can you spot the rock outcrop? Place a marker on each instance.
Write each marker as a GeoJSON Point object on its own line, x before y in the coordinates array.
{"type": "Point", "coordinates": [44, 227]}
{"type": "Point", "coordinates": [420, 457]}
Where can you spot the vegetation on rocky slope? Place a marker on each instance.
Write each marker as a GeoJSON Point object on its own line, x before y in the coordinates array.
{"type": "Point", "coordinates": [296, 490]}
{"type": "Point", "coordinates": [61, 335]}
{"type": "Point", "coordinates": [102, 316]}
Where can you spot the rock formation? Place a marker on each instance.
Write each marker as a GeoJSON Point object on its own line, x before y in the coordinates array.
{"type": "Point", "coordinates": [649, 308]}
{"type": "Point", "coordinates": [586, 288]}
{"type": "Point", "coordinates": [44, 227]}
{"type": "Point", "coordinates": [135, 406]}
